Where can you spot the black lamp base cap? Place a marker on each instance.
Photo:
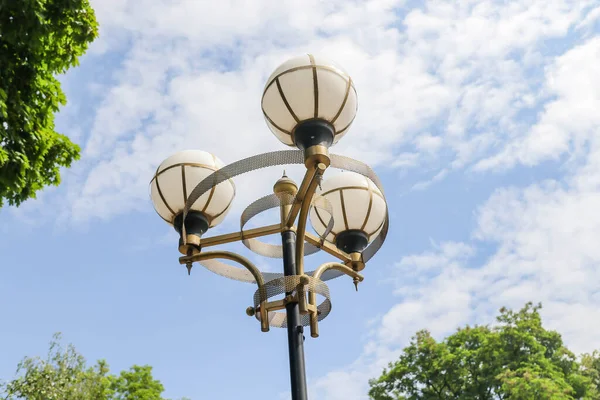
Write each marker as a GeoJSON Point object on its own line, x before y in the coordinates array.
{"type": "Point", "coordinates": [196, 223]}
{"type": "Point", "coordinates": [315, 132]}
{"type": "Point", "coordinates": [352, 241]}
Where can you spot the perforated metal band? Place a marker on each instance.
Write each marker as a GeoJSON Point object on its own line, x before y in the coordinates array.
{"type": "Point", "coordinates": [349, 164]}
{"type": "Point", "coordinates": [285, 284]}
{"type": "Point", "coordinates": [276, 201]}
{"type": "Point", "coordinates": [284, 157]}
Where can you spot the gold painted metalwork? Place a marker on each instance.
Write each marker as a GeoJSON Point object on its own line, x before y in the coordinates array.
{"type": "Point", "coordinates": [303, 217]}
{"type": "Point", "coordinates": [184, 184]}
{"type": "Point", "coordinates": [327, 247]}
{"type": "Point", "coordinates": [344, 129]}
{"type": "Point", "coordinates": [301, 294]}
{"type": "Point", "coordinates": [292, 217]}
{"type": "Point", "coordinates": [323, 221]}
{"type": "Point", "coordinates": [300, 195]}
{"type": "Point", "coordinates": [353, 188]}
{"type": "Point", "coordinates": [227, 255]}
{"type": "Point", "coordinates": [343, 204]}
{"type": "Point", "coordinates": [372, 193]}
{"type": "Point", "coordinates": [191, 245]}
{"type": "Point", "coordinates": [312, 296]}
{"type": "Point", "coordinates": [362, 228]}
{"type": "Point", "coordinates": [287, 104]}
{"type": "Point", "coordinates": [183, 164]}
{"type": "Point", "coordinates": [237, 236]}
{"type": "Point", "coordinates": [298, 297]}
{"type": "Point", "coordinates": [376, 230]}
{"type": "Point", "coordinates": [301, 67]}
{"type": "Point", "coordinates": [316, 155]}
{"type": "Point", "coordinates": [285, 186]}
{"type": "Point", "coordinates": [217, 215]}
{"type": "Point", "coordinates": [276, 305]}
{"type": "Point", "coordinates": [275, 125]}
{"type": "Point", "coordinates": [301, 288]}
{"type": "Point", "coordinates": [210, 196]}
{"type": "Point", "coordinates": [356, 262]}
{"type": "Point", "coordinates": [348, 86]}
{"type": "Point", "coordinates": [314, 67]}
{"type": "Point", "coordinates": [343, 105]}
{"type": "Point", "coordinates": [315, 84]}
{"type": "Point", "coordinates": [162, 197]}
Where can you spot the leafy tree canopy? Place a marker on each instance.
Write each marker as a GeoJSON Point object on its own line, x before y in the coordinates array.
{"type": "Point", "coordinates": [38, 40]}
{"type": "Point", "coordinates": [516, 359]}
{"type": "Point", "coordinates": [64, 375]}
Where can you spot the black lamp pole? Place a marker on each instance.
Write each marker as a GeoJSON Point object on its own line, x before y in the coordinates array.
{"type": "Point", "coordinates": [294, 327]}
{"type": "Point", "coordinates": [314, 131]}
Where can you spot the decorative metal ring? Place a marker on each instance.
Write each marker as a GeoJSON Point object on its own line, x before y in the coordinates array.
{"type": "Point", "coordinates": [284, 157]}
{"type": "Point", "coordinates": [277, 200]}
{"type": "Point", "coordinates": [281, 285]}
{"type": "Point", "coordinates": [349, 164]}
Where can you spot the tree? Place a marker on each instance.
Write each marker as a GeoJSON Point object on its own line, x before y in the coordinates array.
{"type": "Point", "coordinates": [38, 40]}
{"type": "Point", "coordinates": [517, 359]}
{"type": "Point", "coordinates": [590, 364]}
{"type": "Point", "coordinates": [136, 384]}
{"type": "Point", "coordinates": [63, 375]}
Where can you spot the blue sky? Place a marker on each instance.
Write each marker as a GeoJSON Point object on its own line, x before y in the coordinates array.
{"type": "Point", "coordinates": [479, 116]}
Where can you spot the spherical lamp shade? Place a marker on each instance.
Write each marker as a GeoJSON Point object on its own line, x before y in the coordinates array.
{"type": "Point", "coordinates": [309, 100]}
{"type": "Point", "coordinates": [359, 211]}
{"type": "Point", "coordinates": [175, 179]}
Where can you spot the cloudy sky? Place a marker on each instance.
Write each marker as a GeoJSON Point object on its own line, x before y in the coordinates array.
{"type": "Point", "coordinates": [481, 117]}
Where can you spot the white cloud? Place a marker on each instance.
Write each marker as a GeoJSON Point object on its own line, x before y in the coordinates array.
{"type": "Point", "coordinates": [462, 79]}
{"type": "Point", "coordinates": [428, 143]}
{"type": "Point", "coordinates": [590, 21]}
{"type": "Point", "coordinates": [459, 79]}
{"type": "Point", "coordinates": [544, 238]}
{"type": "Point", "coordinates": [568, 122]}
{"type": "Point", "coordinates": [192, 75]}
{"type": "Point", "coordinates": [432, 298]}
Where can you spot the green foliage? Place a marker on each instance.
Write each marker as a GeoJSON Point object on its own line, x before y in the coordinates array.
{"type": "Point", "coordinates": [517, 359]}
{"type": "Point", "coordinates": [63, 375]}
{"type": "Point", "coordinates": [590, 364]}
{"type": "Point", "coordinates": [38, 40]}
{"type": "Point", "coordinates": [136, 384]}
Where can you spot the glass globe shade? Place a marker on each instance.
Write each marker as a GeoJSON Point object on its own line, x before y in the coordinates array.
{"type": "Point", "coordinates": [308, 88]}
{"type": "Point", "coordinates": [358, 208]}
{"type": "Point", "coordinates": [175, 179]}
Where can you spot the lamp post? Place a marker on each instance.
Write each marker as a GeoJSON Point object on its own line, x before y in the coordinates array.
{"type": "Point", "coordinates": [308, 103]}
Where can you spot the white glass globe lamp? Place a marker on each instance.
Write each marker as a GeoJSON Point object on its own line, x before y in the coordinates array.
{"type": "Point", "coordinates": [309, 101]}
{"type": "Point", "coordinates": [173, 182]}
{"type": "Point", "coordinates": [359, 210]}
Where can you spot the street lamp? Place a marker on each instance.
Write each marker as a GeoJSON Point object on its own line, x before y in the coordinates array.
{"type": "Point", "coordinates": [308, 103]}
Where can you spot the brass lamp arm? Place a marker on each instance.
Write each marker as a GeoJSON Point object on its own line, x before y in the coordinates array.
{"type": "Point", "coordinates": [339, 267]}
{"type": "Point", "coordinates": [314, 174]}
{"type": "Point", "coordinates": [227, 255]}
{"type": "Point", "coordinates": [327, 247]}
{"type": "Point", "coordinates": [292, 214]}
{"type": "Point", "coordinates": [312, 296]}
{"type": "Point", "coordinates": [240, 235]}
